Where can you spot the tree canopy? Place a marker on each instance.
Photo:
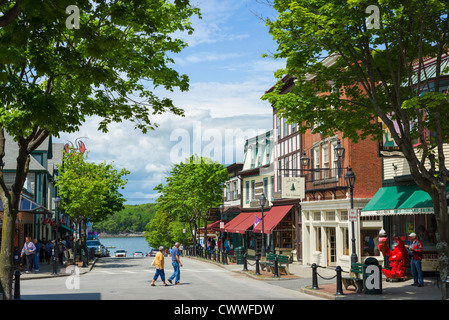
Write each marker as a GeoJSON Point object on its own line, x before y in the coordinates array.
{"type": "Point", "coordinates": [89, 191]}
{"type": "Point", "coordinates": [349, 72]}
{"type": "Point", "coordinates": [192, 189]}
{"type": "Point", "coordinates": [52, 77]}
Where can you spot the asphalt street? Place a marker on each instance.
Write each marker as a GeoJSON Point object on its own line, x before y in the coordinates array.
{"type": "Point", "coordinates": [130, 278]}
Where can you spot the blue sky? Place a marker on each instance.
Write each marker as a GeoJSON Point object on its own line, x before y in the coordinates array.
{"type": "Point", "coordinates": [227, 78]}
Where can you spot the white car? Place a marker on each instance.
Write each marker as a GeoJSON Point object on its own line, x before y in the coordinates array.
{"type": "Point", "coordinates": [138, 254]}
{"type": "Point", "coordinates": [120, 253]}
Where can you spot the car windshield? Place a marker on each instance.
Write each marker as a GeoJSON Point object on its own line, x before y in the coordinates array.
{"type": "Point", "coordinates": [120, 251]}
{"type": "Point", "coordinates": [93, 243]}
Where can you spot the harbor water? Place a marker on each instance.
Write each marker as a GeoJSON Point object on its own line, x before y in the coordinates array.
{"type": "Point", "coordinates": [129, 244]}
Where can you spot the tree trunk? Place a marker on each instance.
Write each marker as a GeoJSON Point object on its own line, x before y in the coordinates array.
{"type": "Point", "coordinates": [6, 255]}
{"type": "Point", "coordinates": [442, 220]}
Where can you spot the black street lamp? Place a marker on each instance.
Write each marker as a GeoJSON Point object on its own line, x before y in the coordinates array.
{"type": "Point", "coordinates": [221, 249]}
{"type": "Point", "coordinates": [262, 201]}
{"type": "Point", "coordinates": [57, 204]}
{"type": "Point", "coordinates": [350, 182]}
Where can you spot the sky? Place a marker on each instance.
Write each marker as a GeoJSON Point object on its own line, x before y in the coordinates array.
{"type": "Point", "coordinates": [228, 76]}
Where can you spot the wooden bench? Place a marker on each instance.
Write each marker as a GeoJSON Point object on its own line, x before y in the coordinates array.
{"type": "Point", "coordinates": [283, 262]}
{"type": "Point", "coordinates": [354, 279]}
{"type": "Point", "coordinates": [269, 261]}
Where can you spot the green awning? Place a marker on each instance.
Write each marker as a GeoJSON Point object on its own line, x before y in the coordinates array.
{"type": "Point", "coordinates": [399, 200]}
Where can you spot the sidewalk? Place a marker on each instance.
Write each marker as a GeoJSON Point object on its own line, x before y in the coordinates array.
{"type": "Point", "coordinates": [46, 270]}
{"type": "Point", "coordinates": [328, 288]}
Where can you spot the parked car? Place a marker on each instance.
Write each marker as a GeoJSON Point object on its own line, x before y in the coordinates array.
{"type": "Point", "coordinates": [99, 248]}
{"type": "Point", "coordinates": [138, 254]}
{"type": "Point", "coordinates": [152, 253]}
{"type": "Point", "coordinates": [120, 253]}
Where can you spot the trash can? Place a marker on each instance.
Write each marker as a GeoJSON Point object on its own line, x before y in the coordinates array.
{"type": "Point", "coordinates": [372, 276]}
{"type": "Point", "coordinates": [239, 255]}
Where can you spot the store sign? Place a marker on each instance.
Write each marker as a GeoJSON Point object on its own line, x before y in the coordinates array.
{"type": "Point", "coordinates": [352, 214]}
{"type": "Point", "coordinates": [293, 187]}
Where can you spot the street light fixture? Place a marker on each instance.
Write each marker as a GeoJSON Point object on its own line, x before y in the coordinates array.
{"type": "Point", "coordinates": [262, 202]}
{"type": "Point", "coordinates": [304, 160]}
{"type": "Point", "coordinates": [339, 150]}
{"type": "Point", "coordinates": [350, 182]}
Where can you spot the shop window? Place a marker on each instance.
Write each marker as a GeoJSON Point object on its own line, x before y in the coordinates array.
{"type": "Point", "coordinates": [370, 242]}
{"type": "Point", "coordinates": [345, 234]}
{"type": "Point", "coordinates": [318, 239]}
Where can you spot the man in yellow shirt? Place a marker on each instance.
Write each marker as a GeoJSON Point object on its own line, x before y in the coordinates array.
{"type": "Point", "coordinates": [159, 264]}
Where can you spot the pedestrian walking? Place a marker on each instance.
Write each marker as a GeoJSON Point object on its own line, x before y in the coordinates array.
{"type": "Point", "coordinates": [37, 253]}
{"type": "Point", "coordinates": [49, 249]}
{"type": "Point", "coordinates": [60, 251]}
{"type": "Point", "coordinates": [176, 263]}
{"type": "Point", "coordinates": [28, 251]}
{"type": "Point", "coordinates": [159, 264]}
{"type": "Point", "coordinates": [416, 249]}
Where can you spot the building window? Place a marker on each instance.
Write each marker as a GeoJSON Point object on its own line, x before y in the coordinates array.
{"type": "Point", "coordinates": [318, 238]}
{"type": "Point", "coordinates": [285, 128]}
{"type": "Point", "coordinates": [247, 191]}
{"type": "Point", "coordinates": [265, 187]}
{"type": "Point", "coordinates": [253, 190]}
{"type": "Point", "coordinates": [325, 162]}
{"type": "Point", "coordinates": [345, 234]}
{"type": "Point", "coordinates": [316, 164]}
{"type": "Point", "coordinates": [272, 187]}
{"type": "Point", "coordinates": [234, 184]}
{"type": "Point", "coordinates": [278, 127]}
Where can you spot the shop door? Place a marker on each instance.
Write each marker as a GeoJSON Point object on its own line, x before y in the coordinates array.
{"type": "Point", "coordinates": [331, 247]}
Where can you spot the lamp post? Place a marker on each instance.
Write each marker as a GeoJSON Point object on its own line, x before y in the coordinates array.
{"type": "Point", "coordinates": [57, 204]}
{"type": "Point", "coordinates": [221, 237]}
{"type": "Point", "coordinates": [262, 204]}
{"type": "Point", "coordinates": [350, 182]}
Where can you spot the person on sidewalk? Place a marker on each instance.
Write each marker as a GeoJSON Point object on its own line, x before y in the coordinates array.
{"type": "Point", "coordinates": [37, 255]}
{"type": "Point", "coordinates": [416, 248]}
{"type": "Point", "coordinates": [28, 250]}
{"type": "Point", "coordinates": [176, 263]}
{"type": "Point", "coordinates": [159, 264]}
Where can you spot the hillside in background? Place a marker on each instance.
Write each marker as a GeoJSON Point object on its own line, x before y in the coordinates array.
{"type": "Point", "coordinates": [132, 219]}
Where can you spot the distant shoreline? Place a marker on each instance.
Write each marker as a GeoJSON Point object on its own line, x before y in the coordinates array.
{"type": "Point", "coordinates": [121, 235]}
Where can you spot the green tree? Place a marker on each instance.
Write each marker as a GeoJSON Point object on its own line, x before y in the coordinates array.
{"type": "Point", "coordinates": [53, 77]}
{"type": "Point", "coordinates": [193, 188]}
{"type": "Point", "coordinates": [89, 191]}
{"type": "Point", "coordinates": [371, 71]}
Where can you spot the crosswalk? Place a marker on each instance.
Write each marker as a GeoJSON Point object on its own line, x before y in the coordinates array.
{"type": "Point", "coordinates": [137, 271]}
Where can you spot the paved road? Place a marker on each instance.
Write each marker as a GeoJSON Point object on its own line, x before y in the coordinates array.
{"type": "Point", "coordinates": [130, 278]}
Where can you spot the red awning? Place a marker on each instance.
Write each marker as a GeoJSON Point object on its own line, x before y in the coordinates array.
{"type": "Point", "coordinates": [242, 222]}
{"type": "Point", "coordinates": [272, 218]}
{"type": "Point", "coordinates": [216, 225]}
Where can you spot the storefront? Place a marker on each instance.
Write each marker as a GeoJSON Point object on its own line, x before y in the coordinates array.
{"type": "Point", "coordinates": [327, 233]}
{"type": "Point", "coordinates": [406, 209]}
{"type": "Point", "coordinates": [278, 230]}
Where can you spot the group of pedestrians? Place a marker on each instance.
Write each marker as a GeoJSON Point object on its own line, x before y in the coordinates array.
{"type": "Point", "coordinates": [36, 251]}
{"type": "Point", "coordinates": [158, 262]}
